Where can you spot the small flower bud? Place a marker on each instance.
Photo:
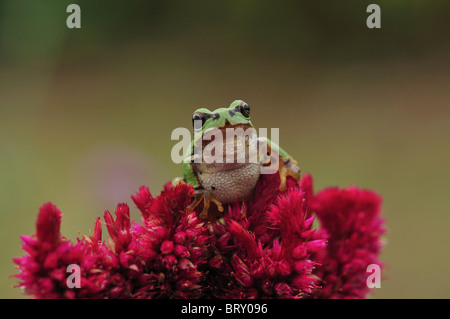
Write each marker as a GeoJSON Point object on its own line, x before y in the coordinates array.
{"type": "Point", "coordinates": [181, 251]}
{"type": "Point", "coordinates": [167, 247]}
{"type": "Point", "coordinates": [316, 245]}
{"type": "Point", "coordinates": [303, 266]}
{"type": "Point", "coordinates": [179, 237]}
{"type": "Point", "coordinates": [299, 252]}
{"type": "Point", "coordinates": [283, 268]}
{"type": "Point", "coordinates": [160, 232]}
{"type": "Point", "coordinates": [169, 261]}
{"type": "Point", "coordinates": [185, 264]}
{"type": "Point", "coordinates": [282, 289]}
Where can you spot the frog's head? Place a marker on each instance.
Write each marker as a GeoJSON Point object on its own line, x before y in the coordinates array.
{"type": "Point", "coordinates": [237, 114]}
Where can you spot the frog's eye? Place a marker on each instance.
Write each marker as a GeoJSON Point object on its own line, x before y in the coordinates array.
{"type": "Point", "coordinates": [244, 108]}
{"type": "Point", "coordinates": [197, 118]}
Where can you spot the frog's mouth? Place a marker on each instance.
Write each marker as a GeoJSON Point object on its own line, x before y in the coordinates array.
{"type": "Point", "coordinates": [243, 126]}
{"type": "Point", "coordinates": [238, 147]}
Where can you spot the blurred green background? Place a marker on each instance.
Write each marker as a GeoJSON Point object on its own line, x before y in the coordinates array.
{"type": "Point", "coordinates": [86, 114]}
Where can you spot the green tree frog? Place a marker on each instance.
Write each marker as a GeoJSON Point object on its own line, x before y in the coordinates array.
{"type": "Point", "coordinates": [224, 171]}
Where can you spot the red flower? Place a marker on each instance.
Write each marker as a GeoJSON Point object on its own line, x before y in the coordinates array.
{"type": "Point", "coordinates": [269, 244]}
{"type": "Point", "coordinates": [43, 272]}
{"type": "Point", "coordinates": [351, 219]}
{"type": "Point", "coordinates": [264, 247]}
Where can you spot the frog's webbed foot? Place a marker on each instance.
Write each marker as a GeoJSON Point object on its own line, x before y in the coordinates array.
{"type": "Point", "coordinates": [288, 167]}
{"type": "Point", "coordinates": [207, 198]}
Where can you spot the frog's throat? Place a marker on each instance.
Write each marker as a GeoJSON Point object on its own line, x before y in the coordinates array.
{"type": "Point", "coordinates": [220, 167]}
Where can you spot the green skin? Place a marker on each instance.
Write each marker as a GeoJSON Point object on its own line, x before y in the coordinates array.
{"type": "Point", "coordinates": [235, 115]}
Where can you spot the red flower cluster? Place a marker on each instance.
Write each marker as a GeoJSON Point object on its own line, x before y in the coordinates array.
{"type": "Point", "coordinates": [264, 247]}
{"type": "Point", "coordinates": [351, 220]}
{"type": "Point", "coordinates": [269, 242]}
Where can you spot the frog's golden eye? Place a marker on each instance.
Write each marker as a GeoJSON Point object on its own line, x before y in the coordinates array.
{"type": "Point", "coordinates": [244, 108]}
{"type": "Point", "coordinates": [198, 118]}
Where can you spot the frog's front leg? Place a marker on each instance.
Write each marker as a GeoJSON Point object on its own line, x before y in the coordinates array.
{"type": "Point", "coordinates": [200, 194]}
{"type": "Point", "coordinates": [205, 196]}
{"type": "Point", "coordinates": [287, 166]}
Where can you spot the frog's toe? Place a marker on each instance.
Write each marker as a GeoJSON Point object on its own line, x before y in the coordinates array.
{"type": "Point", "coordinates": [207, 198]}
{"type": "Point", "coordinates": [288, 168]}
{"type": "Point", "coordinates": [218, 204]}
{"type": "Point", "coordinates": [198, 197]}
{"type": "Point", "coordinates": [204, 213]}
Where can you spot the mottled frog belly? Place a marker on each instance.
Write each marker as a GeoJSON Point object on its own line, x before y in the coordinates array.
{"type": "Point", "coordinates": [230, 185]}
